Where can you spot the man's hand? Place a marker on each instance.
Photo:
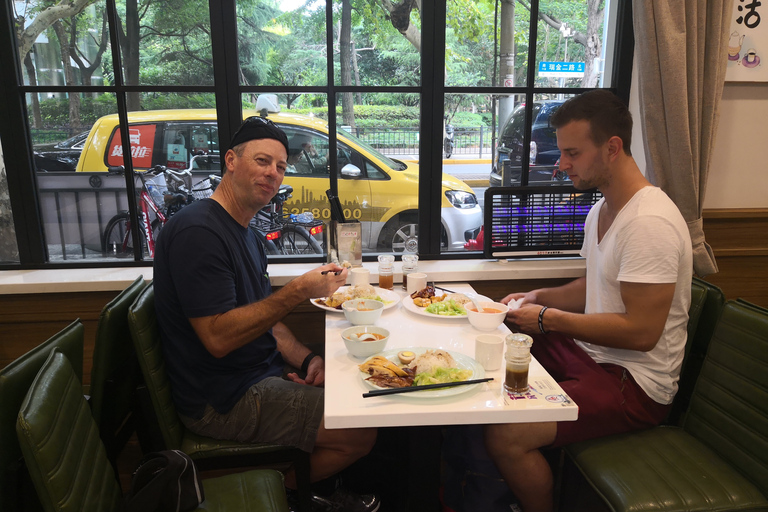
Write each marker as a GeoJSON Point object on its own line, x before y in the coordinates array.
{"type": "Point", "coordinates": [530, 297]}
{"type": "Point", "coordinates": [315, 283]}
{"type": "Point", "coordinates": [525, 318]}
{"type": "Point", "coordinates": [315, 374]}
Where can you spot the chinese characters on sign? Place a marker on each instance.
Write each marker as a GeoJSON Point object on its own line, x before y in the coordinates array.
{"type": "Point", "coordinates": [561, 69]}
{"type": "Point", "coordinates": [748, 42]}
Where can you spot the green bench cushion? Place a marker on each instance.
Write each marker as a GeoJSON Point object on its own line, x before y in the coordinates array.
{"type": "Point", "coordinates": [664, 468]}
{"type": "Point", "coordinates": [256, 490]}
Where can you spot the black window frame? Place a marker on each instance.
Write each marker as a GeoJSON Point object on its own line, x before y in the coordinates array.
{"type": "Point", "coordinates": [16, 139]}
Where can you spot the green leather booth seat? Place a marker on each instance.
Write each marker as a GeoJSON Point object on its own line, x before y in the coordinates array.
{"type": "Point", "coordinates": [718, 459]}
{"type": "Point", "coordinates": [16, 492]}
{"type": "Point", "coordinates": [68, 462]}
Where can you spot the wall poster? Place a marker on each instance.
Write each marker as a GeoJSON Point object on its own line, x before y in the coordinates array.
{"type": "Point", "coordinates": [748, 43]}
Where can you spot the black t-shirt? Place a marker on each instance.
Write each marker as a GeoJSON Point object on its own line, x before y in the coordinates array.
{"type": "Point", "coordinates": [206, 264]}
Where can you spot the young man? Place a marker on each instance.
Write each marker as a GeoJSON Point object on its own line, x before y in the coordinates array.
{"type": "Point", "coordinates": [613, 339]}
{"type": "Point", "coordinates": [223, 342]}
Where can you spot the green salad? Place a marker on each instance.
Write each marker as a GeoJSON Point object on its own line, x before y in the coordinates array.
{"type": "Point", "coordinates": [446, 308]}
{"type": "Point", "coordinates": [441, 376]}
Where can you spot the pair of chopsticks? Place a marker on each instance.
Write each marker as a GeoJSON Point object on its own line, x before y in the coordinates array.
{"type": "Point", "coordinates": [394, 391]}
{"type": "Point", "coordinates": [337, 272]}
{"type": "Point", "coordinates": [441, 288]}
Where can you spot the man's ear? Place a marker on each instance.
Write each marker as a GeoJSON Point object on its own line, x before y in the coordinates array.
{"type": "Point", "coordinates": [615, 146]}
{"type": "Point", "coordinates": [229, 160]}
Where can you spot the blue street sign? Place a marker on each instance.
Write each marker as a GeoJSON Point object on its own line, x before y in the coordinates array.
{"type": "Point", "coordinates": [561, 69]}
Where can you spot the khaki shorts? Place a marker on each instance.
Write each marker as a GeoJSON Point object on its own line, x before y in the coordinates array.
{"type": "Point", "coordinates": [273, 410]}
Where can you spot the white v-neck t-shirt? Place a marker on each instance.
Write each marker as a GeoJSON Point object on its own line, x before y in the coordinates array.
{"type": "Point", "coordinates": [648, 242]}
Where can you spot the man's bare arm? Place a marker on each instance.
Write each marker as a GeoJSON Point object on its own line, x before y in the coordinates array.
{"type": "Point", "coordinates": [568, 297]}
{"type": "Point", "coordinates": [225, 332]}
{"type": "Point", "coordinates": [639, 328]}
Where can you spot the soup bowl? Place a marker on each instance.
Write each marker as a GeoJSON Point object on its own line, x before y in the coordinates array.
{"type": "Point", "coordinates": [365, 340]}
{"type": "Point", "coordinates": [492, 316]}
{"type": "Point", "coordinates": [362, 311]}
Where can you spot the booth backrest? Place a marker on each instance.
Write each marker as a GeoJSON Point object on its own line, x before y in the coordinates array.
{"type": "Point", "coordinates": [115, 373]}
{"type": "Point", "coordinates": [61, 445]}
{"type": "Point", "coordinates": [706, 304]}
{"type": "Point", "coordinates": [146, 341]}
{"type": "Point", "coordinates": [15, 380]}
{"type": "Point", "coordinates": [729, 405]}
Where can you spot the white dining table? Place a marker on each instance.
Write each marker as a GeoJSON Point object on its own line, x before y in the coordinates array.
{"type": "Point", "coordinates": [484, 403]}
{"type": "Point", "coordinates": [424, 416]}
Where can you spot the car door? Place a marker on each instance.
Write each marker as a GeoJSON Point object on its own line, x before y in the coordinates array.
{"type": "Point", "coordinates": [311, 180]}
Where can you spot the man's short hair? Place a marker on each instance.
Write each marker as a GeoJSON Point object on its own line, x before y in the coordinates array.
{"type": "Point", "coordinates": [607, 115]}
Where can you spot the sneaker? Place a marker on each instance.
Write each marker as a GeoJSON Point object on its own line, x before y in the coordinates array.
{"type": "Point", "coordinates": [343, 500]}
{"type": "Point", "coordinates": [340, 501]}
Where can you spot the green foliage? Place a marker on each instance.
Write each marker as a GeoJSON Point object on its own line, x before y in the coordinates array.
{"type": "Point", "coordinates": [55, 111]}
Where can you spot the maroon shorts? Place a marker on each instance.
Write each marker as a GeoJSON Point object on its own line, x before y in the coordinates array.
{"type": "Point", "coordinates": [609, 399]}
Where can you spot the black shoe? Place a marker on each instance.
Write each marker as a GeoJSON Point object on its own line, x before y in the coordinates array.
{"type": "Point", "coordinates": [343, 500]}
{"type": "Point", "coordinates": [340, 501]}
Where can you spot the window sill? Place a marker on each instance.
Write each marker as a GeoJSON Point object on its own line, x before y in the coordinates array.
{"type": "Point", "coordinates": [116, 279]}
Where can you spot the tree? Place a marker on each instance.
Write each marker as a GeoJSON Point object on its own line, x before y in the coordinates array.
{"type": "Point", "coordinates": [589, 39]}
{"type": "Point", "coordinates": [69, 75]}
{"type": "Point", "coordinates": [26, 36]}
{"type": "Point", "coordinates": [346, 56]}
{"type": "Point", "coordinates": [46, 17]}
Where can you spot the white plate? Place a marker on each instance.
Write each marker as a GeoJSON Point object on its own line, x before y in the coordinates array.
{"type": "Point", "coordinates": [410, 306]}
{"type": "Point", "coordinates": [462, 361]}
{"type": "Point", "coordinates": [390, 299]}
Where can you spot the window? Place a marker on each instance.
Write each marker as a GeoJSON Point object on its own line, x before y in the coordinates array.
{"type": "Point", "coordinates": [407, 116]}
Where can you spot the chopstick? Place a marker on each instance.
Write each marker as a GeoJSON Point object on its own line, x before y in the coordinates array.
{"type": "Point", "coordinates": [324, 272]}
{"type": "Point", "coordinates": [444, 289]}
{"type": "Point", "coordinates": [393, 391]}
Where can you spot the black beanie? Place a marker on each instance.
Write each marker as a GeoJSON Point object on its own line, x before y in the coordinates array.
{"type": "Point", "coordinates": [258, 128]}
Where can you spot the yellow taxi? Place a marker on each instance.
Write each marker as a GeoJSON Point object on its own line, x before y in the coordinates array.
{"type": "Point", "coordinates": [379, 191]}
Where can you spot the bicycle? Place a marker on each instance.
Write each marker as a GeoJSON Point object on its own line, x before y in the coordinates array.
{"type": "Point", "coordinates": [163, 192]}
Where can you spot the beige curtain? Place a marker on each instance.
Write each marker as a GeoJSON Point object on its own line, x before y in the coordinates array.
{"type": "Point", "coordinates": [681, 53]}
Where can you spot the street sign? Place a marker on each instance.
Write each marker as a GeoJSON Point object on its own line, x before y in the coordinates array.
{"type": "Point", "coordinates": [561, 69]}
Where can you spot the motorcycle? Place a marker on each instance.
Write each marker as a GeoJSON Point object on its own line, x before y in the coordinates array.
{"type": "Point", "coordinates": [448, 132]}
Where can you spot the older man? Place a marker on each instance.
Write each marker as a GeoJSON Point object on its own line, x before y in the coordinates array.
{"type": "Point", "coordinates": [223, 342]}
{"type": "Point", "coordinates": [615, 338]}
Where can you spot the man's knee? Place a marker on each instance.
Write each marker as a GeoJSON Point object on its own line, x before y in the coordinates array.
{"type": "Point", "coordinates": [510, 438]}
{"type": "Point", "coordinates": [363, 440]}
{"type": "Point", "coordinates": [356, 442]}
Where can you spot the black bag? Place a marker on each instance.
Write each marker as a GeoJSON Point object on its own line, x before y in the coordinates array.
{"type": "Point", "coordinates": [165, 481]}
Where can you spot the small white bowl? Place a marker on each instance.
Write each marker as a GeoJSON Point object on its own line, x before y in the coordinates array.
{"type": "Point", "coordinates": [486, 321]}
{"type": "Point", "coordinates": [362, 311]}
{"type": "Point", "coordinates": [358, 348]}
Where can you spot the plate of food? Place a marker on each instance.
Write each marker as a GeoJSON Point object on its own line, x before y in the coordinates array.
{"type": "Point", "coordinates": [416, 366]}
{"type": "Point", "coordinates": [365, 291]}
{"type": "Point", "coordinates": [446, 306]}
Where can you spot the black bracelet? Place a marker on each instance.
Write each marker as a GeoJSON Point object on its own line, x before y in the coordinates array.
{"type": "Point", "coordinates": [541, 320]}
{"type": "Point", "coordinates": [305, 363]}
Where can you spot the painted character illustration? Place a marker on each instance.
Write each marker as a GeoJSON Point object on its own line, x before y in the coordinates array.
{"type": "Point", "coordinates": [734, 46]}
{"type": "Point", "coordinates": [751, 59]}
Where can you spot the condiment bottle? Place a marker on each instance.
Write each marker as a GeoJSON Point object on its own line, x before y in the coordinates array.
{"type": "Point", "coordinates": [518, 358]}
{"type": "Point", "coordinates": [410, 264]}
{"type": "Point", "coordinates": [386, 271]}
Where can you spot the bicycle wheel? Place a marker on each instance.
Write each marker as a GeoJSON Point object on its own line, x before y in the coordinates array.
{"type": "Point", "coordinates": [118, 239]}
{"type": "Point", "coordinates": [269, 245]}
{"type": "Point", "coordinates": [297, 240]}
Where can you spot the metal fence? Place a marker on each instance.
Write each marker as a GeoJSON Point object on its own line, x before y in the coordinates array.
{"type": "Point", "coordinates": [467, 140]}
